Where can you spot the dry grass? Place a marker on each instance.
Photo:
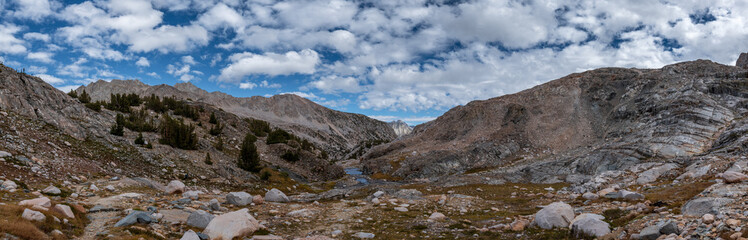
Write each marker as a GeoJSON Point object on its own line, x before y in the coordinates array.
{"type": "Point", "coordinates": [677, 195]}
{"type": "Point", "coordinates": [11, 222]}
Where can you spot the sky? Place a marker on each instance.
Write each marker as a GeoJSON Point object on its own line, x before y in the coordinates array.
{"type": "Point", "coordinates": [397, 59]}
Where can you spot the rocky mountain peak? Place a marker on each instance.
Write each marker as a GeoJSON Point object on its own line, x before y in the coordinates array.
{"type": "Point", "coordinates": [742, 61]}
{"type": "Point", "coordinates": [401, 128]}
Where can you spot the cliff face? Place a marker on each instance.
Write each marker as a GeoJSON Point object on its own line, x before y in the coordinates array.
{"type": "Point", "coordinates": [401, 128]}
{"type": "Point", "coordinates": [337, 132]}
{"type": "Point", "coordinates": [585, 123]}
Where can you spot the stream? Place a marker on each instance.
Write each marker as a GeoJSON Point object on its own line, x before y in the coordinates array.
{"type": "Point", "coordinates": [355, 172]}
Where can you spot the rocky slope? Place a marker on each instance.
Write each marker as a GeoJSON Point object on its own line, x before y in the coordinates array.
{"type": "Point", "coordinates": [401, 128]}
{"type": "Point", "coordinates": [581, 125]}
{"type": "Point", "coordinates": [336, 132]}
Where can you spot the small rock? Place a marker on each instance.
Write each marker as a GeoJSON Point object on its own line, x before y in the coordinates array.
{"type": "Point", "coordinates": [411, 194]}
{"type": "Point", "coordinates": [707, 218]}
{"type": "Point", "coordinates": [110, 188]}
{"type": "Point", "coordinates": [258, 200]}
{"type": "Point", "coordinates": [94, 188]}
{"type": "Point", "coordinates": [590, 196]}
{"type": "Point", "coordinates": [375, 200]}
{"type": "Point", "coordinates": [275, 195]}
{"type": "Point", "coordinates": [437, 216]}
{"type": "Point", "coordinates": [363, 235]}
{"type": "Point", "coordinates": [214, 205]}
{"type": "Point", "coordinates": [519, 225]}
{"type": "Point", "coordinates": [401, 209]}
{"type": "Point", "coordinates": [733, 222]}
{"type": "Point", "coordinates": [32, 215]}
{"type": "Point", "coordinates": [378, 194]}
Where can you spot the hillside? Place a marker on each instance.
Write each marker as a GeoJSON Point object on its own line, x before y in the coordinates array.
{"type": "Point", "coordinates": [336, 132]}
{"type": "Point", "coordinates": [581, 125]}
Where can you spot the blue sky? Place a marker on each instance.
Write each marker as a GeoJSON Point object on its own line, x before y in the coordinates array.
{"type": "Point", "coordinates": [409, 60]}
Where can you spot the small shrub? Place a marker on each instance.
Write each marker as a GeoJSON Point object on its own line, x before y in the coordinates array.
{"type": "Point", "coordinates": [216, 129]}
{"type": "Point", "coordinates": [290, 156]}
{"type": "Point", "coordinates": [258, 127]}
{"type": "Point", "coordinates": [96, 106]}
{"type": "Point", "coordinates": [139, 140]}
{"type": "Point", "coordinates": [278, 136]}
{"type": "Point", "coordinates": [207, 159]}
{"type": "Point", "coordinates": [213, 119]}
{"type": "Point", "coordinates": [219, 144]}
{"type": "Point", "coordinates": [265, 175]}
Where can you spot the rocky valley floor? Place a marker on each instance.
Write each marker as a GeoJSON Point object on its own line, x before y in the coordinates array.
{"type": "Point", "coordinates": [710, 206]}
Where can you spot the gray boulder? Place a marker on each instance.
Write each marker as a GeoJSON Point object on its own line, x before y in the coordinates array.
{"type": "Point", "coordinates": [275, 195]}
{"type": "Point", "coordinates": [700, 206]}
{"type": "Point", "coordinates": [199, 219]}
{"type": "Point", "coordinates": [52, 190]}
{"type": "Point", "coordinates": [190, 235]}
{"type": "Point", "coordinates": [239, 198]}
{"type": "Point", "coordinates": [214, 205]}
{"type": "Point", "coordinates": [133, 218]}
{"type": "Point", "coordinates": [588, 224]}
{"type": "Point", "coordinates": [653, 232]}
{"type": "Point", "coordinates": [175, 186]}
{"type": "Point", "coordinates": [654, 173]}
{"type": "Point", "coordinates": [558, 214]}
{"type": "Point", "coordinates": [410, 194]}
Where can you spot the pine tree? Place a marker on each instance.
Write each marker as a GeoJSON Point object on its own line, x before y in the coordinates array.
{"type": "Point", "coordinates": [84, 98]}
{"type": "Point", "coordinates": [73, 94]}
{"type": "Point", "coordinates": [213, 119]}
{"type": "Point", "coordinates": [249, 159]}
{"type": "Point", "coordinates": [139, 140]}
{"type": "Point", "coordinates": [215, 130]}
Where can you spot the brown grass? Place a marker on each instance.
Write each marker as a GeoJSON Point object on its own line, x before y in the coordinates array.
{"type": "Point", "coordinates": [677, 195]}
{"type": "Point", "coordinates": [11, 222]}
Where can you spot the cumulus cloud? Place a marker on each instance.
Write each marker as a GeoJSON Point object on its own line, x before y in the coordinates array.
{"type": "Point", "coordinates": [143, 62]}
{"type": "Point", "coordinates": [35, 10]}
{"type": "Point", "coordinates": [36, 36]}
{"type": "Point", "coordinates": [8, 42]}
{"type": "Point", "coordinates": [45, 57]}
{"type": "Point", "coordinates": [271, 64]}
{"type": "Point", "coordinates": [183, 70]}
{"type": "Point", "coordinates": [50, 79]}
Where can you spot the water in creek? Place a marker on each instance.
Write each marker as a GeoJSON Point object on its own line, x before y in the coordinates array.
{"type": "Point", "coordinates": [355, 172]}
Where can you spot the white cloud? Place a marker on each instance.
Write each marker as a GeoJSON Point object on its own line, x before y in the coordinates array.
{"type": "Point", "coordinates": [34, 9]}
{"type": "Point", "coordinates": [143, 62]}
{"type": "Point", "coordinates": [76, 69]}
{"type": "Point", "coordinates": [67, 88]}
{"type": "Point", "coordinates": [409, 120]}
{"type": "Point", "coordinates": [310, 96]}
{"type": "Point", "coordinates": [335, 84]}
{"type": "Point", "coordinates": [271, 64]}
{"type": "Point", "coordinates": [45, 57]}
{"type": "Point", "coordinates": [153, 74]}
{"type": "Point", "coordinates": [247, 85]}
{"type": "Point", "coordinates": [50, 79]}
{"type": "Point", "coordinates": [189, 60]}
{"type": "Point", "coordinates": [36, 36]}
{"type": "Point", "coordinates": [221, 15]}
{"type": "Point", "coordinates": [9, 43]}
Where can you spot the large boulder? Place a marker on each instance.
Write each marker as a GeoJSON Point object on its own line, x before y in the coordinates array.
{"type": "Point", "coordinates": [42, 202]}
{"type": "Point", "coordinates": [52, 190]}
{"type": "Point", "coordinates": [133, 218]}
{"type": "Point", "coordinates": [199, 219]}
{"type": "Point", "coordinates": [230, 225]}
{"type": "Point", "coordinates": [558, 214]}
{"type": "Point", "coordinates": [239, 198]}
{"type": "Point", "coordinates": [175, 186]}
{"type": "Point", "coordinates": [64, 210]}
{"type": "Point", "coordinates": [588, 224]}
{"type": "Point", "coordinates": [654, 173]}
{"type": "Point", "coordinates": [733, 177]}
{"type": "Point", "coordinates": [190, 235]}
{"type": "Point", "coordinates": [700, 206]}
{"type": "Point", "coordinates": [194, 195]}
{"type": "Point", "coordinates": [32, 215]}
{"type": "Point", "coordinates": [410, 194]}
{"type": "Point", "coordinates": [742, 60]}
{"type": "Point", "coordinates": [275, 195]}
{"type": "Point", "coordinates": [8, 185]}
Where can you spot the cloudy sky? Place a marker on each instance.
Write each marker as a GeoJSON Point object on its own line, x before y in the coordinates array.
{"type": "Point", "coordinates": [394, 59]}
